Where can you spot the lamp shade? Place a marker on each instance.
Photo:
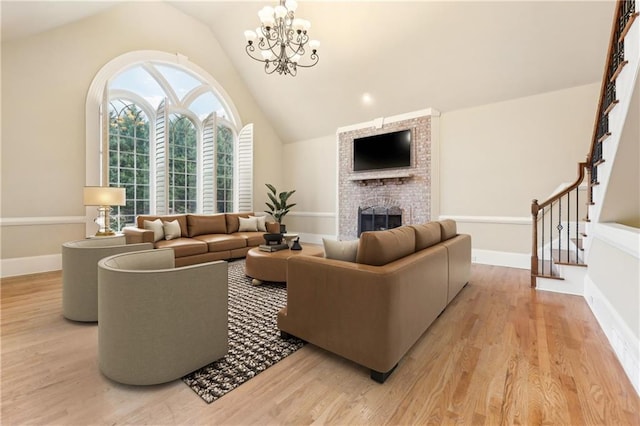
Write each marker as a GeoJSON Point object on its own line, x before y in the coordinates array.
{"type": "Point", "coordinates": [104, 196]}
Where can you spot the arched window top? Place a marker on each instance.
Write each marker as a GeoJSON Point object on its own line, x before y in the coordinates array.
{"type": "Point", "coordinates": [154, 81]}
{"type": "Point", "coordinates": [205, 104]}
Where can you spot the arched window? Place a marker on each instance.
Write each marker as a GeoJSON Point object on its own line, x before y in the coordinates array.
{"type": "Point", "coordinates": [129, 163]}
{"type": "Point", "coordinates": [172, 144]}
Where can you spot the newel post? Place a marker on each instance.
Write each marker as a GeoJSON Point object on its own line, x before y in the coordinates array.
{"type": "Point", "coordinates": [534, 241]}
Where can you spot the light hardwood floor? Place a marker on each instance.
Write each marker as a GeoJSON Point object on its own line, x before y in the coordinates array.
{"type": "Point", "coordinates": [501, 353]}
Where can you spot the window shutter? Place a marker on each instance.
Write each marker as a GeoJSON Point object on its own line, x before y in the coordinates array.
{"type": "Point", "coordinates": [244, 202]}
{"type": "Point", "coordinates": [209, 165]}
{"type": "Point", "coordinates": [104, 142]}
{"type": "Point", "coordinates": [161, 159]}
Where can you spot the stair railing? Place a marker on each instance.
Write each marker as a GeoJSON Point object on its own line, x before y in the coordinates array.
{"type": "Point", "coordinates": [555, 239]}
{"type": "Point", "coordinates": [557, 236]}
{"type": "Point", "coordinates": [623, 18]}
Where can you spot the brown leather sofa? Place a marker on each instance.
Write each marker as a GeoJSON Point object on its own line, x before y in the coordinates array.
{"type": "Point", "coordinates": [204, 238]}
{"type": "Point", "coordinates": [373, 310]}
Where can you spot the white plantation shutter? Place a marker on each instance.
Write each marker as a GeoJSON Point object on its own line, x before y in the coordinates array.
{"type": "Point", "coordinates": [209, 165]}
{"type": "Point", "coordinates": [104, 142]}
{"type": "Point", "coordinates": [244, 201]}
{"type": "Point", "coordinates": [161, 159]}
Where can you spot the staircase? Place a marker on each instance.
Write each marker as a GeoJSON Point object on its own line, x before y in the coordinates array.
{"type": "Point", "coordinates": [561, 224]}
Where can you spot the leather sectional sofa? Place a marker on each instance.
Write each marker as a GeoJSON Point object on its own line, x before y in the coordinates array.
{"type": "Point", "coordinates": [373, 310]}
{"type": "Point", "coordinates": [203, 238]}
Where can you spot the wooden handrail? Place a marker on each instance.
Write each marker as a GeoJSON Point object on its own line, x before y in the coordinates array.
{"type": "Point", "coordinates": [574, 185]}
{"type": "Point", "coordinates": [603, 87]}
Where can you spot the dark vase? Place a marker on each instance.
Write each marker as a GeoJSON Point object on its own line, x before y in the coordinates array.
{"type": "Point", "coordinates": [283, 228]}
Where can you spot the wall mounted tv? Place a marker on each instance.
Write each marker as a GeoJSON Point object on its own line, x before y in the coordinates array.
{"type": "Point", "coordinates": [385, 151]}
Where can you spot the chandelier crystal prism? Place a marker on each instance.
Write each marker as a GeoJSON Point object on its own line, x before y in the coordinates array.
{"type": "Point", "coordinates": [282, 41]}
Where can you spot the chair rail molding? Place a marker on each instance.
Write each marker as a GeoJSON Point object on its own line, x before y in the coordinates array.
{"type": "Point", "coordinates": [505, 220]}
{"type": "Point", "coordinates": [42, 220]}
{"type": "Point", "coordinates": [312, 214]}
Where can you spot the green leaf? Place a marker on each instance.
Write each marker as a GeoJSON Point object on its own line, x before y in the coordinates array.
{"type": "Point", "coordinates": [271, 188]}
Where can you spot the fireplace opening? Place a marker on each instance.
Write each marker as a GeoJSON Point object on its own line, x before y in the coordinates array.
{"type": "Point", "coordinates": [378, 218]}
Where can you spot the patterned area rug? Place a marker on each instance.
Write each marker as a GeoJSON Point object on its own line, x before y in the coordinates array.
{"type": "Point", "coordinates": [254, 338]}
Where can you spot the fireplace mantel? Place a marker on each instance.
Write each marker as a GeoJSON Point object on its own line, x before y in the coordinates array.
{"type": "Point", "coordinates": [390, 178]}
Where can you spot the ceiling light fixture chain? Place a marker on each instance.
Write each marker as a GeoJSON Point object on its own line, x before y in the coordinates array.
{"type": "Point", "coordinates": [282, 40]}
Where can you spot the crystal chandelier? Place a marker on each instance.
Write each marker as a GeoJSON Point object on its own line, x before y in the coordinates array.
{"type": "Point", "coordinates": [282, 40]}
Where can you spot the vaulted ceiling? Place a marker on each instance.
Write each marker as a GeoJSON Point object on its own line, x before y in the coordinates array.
{"type": "Point", "coordinates": [407, 56]}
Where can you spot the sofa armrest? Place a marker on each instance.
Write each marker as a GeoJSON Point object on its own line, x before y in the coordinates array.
{"type": "Point", "coordinates": [369, 314]}
{"type": "Point", "coordinates": [135, 235]}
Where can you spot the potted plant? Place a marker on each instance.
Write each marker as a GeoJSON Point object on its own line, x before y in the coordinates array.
{"type": "Point", "coordinates": [278, 207]}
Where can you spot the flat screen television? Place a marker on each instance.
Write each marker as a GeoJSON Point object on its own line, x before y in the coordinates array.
{"type": "Point", "coordinates": [385, 151]}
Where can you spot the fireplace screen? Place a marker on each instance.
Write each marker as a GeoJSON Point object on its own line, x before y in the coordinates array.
{"type": "Point", "coordinates": [378, 218]}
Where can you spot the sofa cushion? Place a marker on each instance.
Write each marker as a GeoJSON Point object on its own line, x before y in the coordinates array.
{"type": "Point", "coordinates": [248, 224]}
{"type": "Point", "coordinates": [427, 235]}
{"type": "Point", "coordinates": [204, 224]}
{"type": "Point", "coordinates": [171, 230]}
{"type": "Point", "coordinates": [378, 248]}
{"type": "Point", "coordinates": [181, 218]}
{"type": "Point", "coordinates": [340, 250]}
{"type": "Point", "coordinates": [156, 227]}
{"type": "Point", "coordinates": [449, 229]}
{"type": "Point", "coordinates": [221, 242]}
{"type": "Point", "coordinates": [233, 224]}
{"type": "Point", "coordinates": [262, 223]}
{"type": "Point", "coordinates": [253, 239]}
{"type": "Point", "coordinates": [183, 246]}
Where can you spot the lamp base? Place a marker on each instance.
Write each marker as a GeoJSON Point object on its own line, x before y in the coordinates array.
{"type": "Point", "coordinates": [103, 222]}
{"type": "Point", "coordinates": [107, 233]}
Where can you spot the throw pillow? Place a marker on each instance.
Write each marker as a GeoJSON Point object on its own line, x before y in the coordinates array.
{"type": "Point", "coordinates": [248, 224]}
{"type": "Point", "coordinates": [262, 223]}
{"type": "Point", "coordinates": [171, 230]}
{"type": "Point", "coordinates": [340, 250]}
{"type": "Point", "coordinates": [156, 227]}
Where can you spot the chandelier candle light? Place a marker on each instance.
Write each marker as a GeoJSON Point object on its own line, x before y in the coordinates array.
{"type": "Point", "coordinates": [104, 197]}
{"type": "Point", "coordinates": [282, 40]}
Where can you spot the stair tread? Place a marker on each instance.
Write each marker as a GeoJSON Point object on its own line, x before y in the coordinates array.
{"type": "Point", "coordinates": [611, 106]}
{"type": "Point", "coordinates": [545, 270]}
{"type": "Point", "coordinates": [618, 70]}
{"type": "Point", "coordinates": [603, 137]}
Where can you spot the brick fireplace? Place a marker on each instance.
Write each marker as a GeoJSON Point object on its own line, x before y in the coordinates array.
{"type": "Point", "coordinates": [406, 191]}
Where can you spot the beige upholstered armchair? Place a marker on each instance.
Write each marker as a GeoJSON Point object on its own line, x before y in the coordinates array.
{"type": "Point", "coordinates": [80, 273]}
{"type": "Point", "coordinates": [157, 323]}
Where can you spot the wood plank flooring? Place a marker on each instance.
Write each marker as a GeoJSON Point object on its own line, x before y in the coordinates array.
{"type": "Point", "coordinates": [501, 353]}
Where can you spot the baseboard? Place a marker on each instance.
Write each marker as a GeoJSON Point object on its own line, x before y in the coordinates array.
{"type": "Point", "coordinates": [30, 265]}
{"type": "Point", "coordinates": [625, 344]}
{"type": "Point", "coordinates": [501, 258]}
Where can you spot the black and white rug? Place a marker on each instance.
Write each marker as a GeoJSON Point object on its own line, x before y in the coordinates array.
{"type": "Point", "coordinates": [254, 338]}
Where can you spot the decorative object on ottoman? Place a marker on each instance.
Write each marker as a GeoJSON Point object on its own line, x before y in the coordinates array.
{"type": "Point", "coordinates": [278, 208]}
{"type": "Point", "coordinates": [296, 244]}
{"type": "Point", "coordinates": [273, 239]}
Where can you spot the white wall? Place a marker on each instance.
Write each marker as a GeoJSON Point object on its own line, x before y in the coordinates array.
{"type": "Point", "coordinates": [496, 158]}
{"type": "Point", "coordinates": [612, 290]}
{"type": "Point", "coordinates": [45, 79]}
{"type": "Point", "coordinates": [310, 167]}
